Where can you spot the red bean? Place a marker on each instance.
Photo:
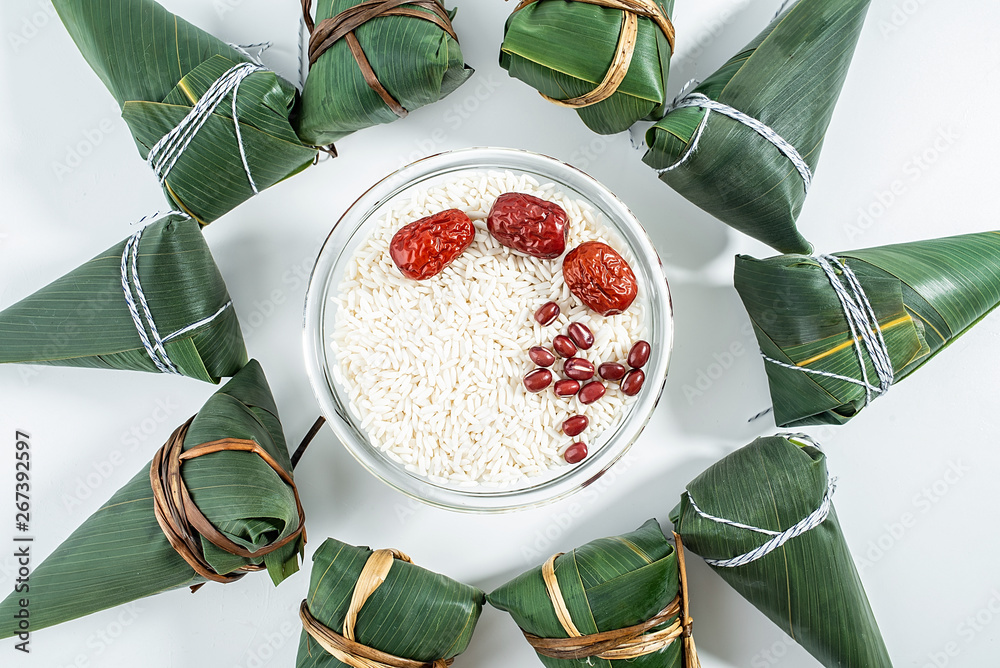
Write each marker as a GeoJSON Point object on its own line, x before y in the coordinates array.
{"type": "Point", "coordinates": [578, 368]}
{"type": "Point", "coordinates": [564, 346]}
{"type": "Point", "coordinates": [538, 380]}
{"type": "Point", "coordinates": [566, 388]}
{"type": "Point", "coordinates": [639, 355]}
{"type": "Point", "coordinates": [611, 371]}
{"type": "Point", "coordinates": [632, 383]}
{"type": "Point", "coordinates": [542, 356]}
{"type": "Point", "coordinates": [581, 335]}
{"type": "Point", "coordinates": [547, 313]}
{"type": "Point", "coordinates": [591, 392]}
{"type": "Point", "coordinates": [575, 425]}
{"type": "Point", "coordinates": [576, 453]}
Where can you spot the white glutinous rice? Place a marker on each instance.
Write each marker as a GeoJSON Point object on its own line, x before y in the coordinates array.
{"type": "Point", "coordinates": [434, 368]}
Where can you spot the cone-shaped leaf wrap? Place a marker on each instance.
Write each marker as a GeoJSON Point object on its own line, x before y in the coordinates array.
{"type": "Point", "coordinates": [809, 586]}
{"type": "Point", "coordinates": [416, 61]}
{"type": "Point", "coordinates": [414, 614]}
{"type": "Point", "coordinates": [925, 294]}
{"type": "Point", "coordinates": [608, 584]}
{"type": "Point", "coordinates": [157, 66]}
{"type": "Point", "coordinates": [564, 50]}
{"type": "Point", "coordinates": [120, 554]}
{"type": "Point", "coordinates": [83, 319]}
{"type": "Point", "coordinates": [789, 78]}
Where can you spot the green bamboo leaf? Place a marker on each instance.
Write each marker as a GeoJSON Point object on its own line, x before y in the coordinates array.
{"type": "Point", "coordinates": [120, 554]}
{"type": "Point", "coordinates": [157, 66]}
{"type": "Point", "coordinates": [415, 60]}
{"type": "Point", "coordinates": [808, 586]}
{"type": "Point", "coordinates": [608, 584]}
{"type": "Point", "coordinates": [414, 614]}
{"type": "Point", "coordinates": [925, 294]}
{"type": "Point", "coordinates": [564, 50]}
{"type": "Point", "coordinates": [789, 78]}
{"type": "Point", "coordinates": [83, 320]}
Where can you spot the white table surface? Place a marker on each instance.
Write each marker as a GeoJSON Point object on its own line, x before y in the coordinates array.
{"type": "Point", "coordinates": [917, 470]}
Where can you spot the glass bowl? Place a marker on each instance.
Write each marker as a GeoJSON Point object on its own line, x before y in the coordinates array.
{"type": "Point", "coordinates": [320, 314]}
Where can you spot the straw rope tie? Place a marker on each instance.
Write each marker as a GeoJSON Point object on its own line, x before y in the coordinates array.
{"type": "Point", "coordinates": [345, 647]}
{"type": "Point", "coordinates": [778, 538]}
{"type": "Point", "coordinates": [185, 525]}
{"type": "Point", "coordinates": [624, 51]}
{"type": "Point", "coordinates": [621, 644]}
{"type": "Point", "coordinates": [130, 280]}
{"type": "Point", "coordinates": [342, 26]}
{"type": "Point", "coordinates": [864, 326]}
{"type": "Point", "coordinates": [166, 152]}
{"type": "Point", "coordinates": [702, 102]}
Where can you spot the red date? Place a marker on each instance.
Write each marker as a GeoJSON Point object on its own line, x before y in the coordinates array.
{"type": "Point", "coordinates": [528, 224]}
{"type": "Point", "coordinates": [600, 278]}
{"type": "Point", "coordinates": [425, 247]}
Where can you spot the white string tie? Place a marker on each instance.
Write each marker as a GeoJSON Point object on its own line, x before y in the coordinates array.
{"type": "Point", "coordinates": [156, 348]}
{"type": "Point", "coordinates": [701, 101]}
{"type": "Point", "coordinates": [864, 326]}
{"type": "Point", "coordinates": [164, 155]}
{"type": "Point", "coordinates": [778, 539]}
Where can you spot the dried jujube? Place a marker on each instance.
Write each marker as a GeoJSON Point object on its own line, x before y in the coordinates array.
{"type": "Point", "coordinates": [423, 248]}
{"type": "Point", "coordinates": [529, 225]}
{"type": "Point", "coordinates": [600, 278]}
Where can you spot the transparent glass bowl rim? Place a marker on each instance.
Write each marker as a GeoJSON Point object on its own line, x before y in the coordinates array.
{"type": "Point", "coordinates": [330, 396]}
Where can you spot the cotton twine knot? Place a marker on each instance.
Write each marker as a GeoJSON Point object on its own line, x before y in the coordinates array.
{"type": "Point", "coordinates": [344, 647]}
{"type": "Point", "coordinates": [342, 26]}
{"type": "Point", "coordinates": [184, 524]}
{"type": "Point", "coordinates": [621, 644]}
{"type": "Point", "coordinates": [627, 38]}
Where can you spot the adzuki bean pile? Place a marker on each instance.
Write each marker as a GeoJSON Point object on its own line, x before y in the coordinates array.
{"type": "Point", "coordinates": [579, 373]}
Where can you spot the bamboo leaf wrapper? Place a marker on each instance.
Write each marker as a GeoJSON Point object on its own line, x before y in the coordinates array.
{"type": "Point", "coordinates": [789, 78]}
{"type": "Point", "coordinates": [84, 319]}
{"type": "Point", "coordinates": [607, 585]}
{"type": "Point", "coordinates": [121, 554]}
{"type": "Point", "coordinates": [808, 585]}
{"type": "Point", "coordinates": [924, 295]}
{"type": "Point", "coordinates": [373, 61]}
{"type": "Point", "coordinates": [414, 614]}
{"type": "Point", "coordinates": [565, 50]}
{"type": "Point", "coordinates": [158, 66]}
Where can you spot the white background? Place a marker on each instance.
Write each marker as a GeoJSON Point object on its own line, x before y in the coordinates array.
{"type": "Point", "coordinates": [917, 112]}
